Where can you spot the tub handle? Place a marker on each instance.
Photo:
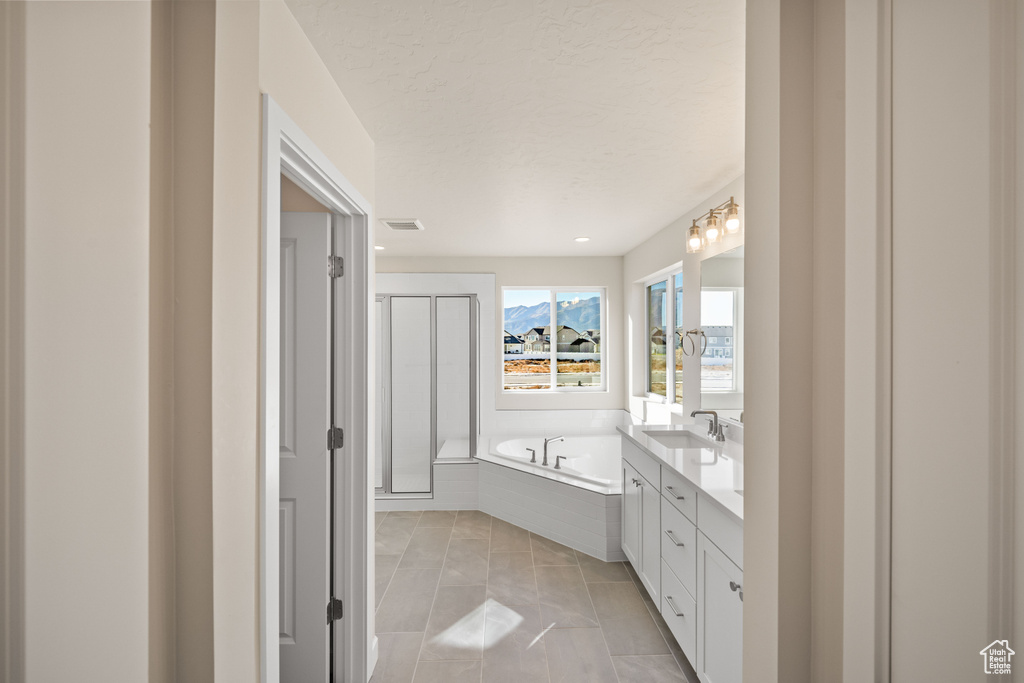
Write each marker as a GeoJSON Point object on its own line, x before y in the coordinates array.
{"type": "Point", "coordinates": [672, 604]}
{"type": "Point", "coordinates": [533, 454]}
{"type": "Point", "coordinates": [673, 492]}
{"type": "Point", "coordinates": [672, 537]}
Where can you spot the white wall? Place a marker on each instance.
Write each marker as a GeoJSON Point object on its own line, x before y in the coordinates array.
{"type": "Point", "coordinates": [951, 72]}
{"type": "Point", "coordinates": [106, 328]}
{"type": "Point", "coordinates": [664, 251]}
{"type": "Point", "coordinates": [86, 334]}
{"type": "Point", "coordinates": [542, 272]}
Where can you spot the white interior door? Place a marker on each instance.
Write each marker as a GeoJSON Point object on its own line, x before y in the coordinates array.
{"type": "Point", "coordinates": [304, 465]}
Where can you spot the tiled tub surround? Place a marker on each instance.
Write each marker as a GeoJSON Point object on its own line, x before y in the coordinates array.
{"type": "Point", "coordinates": [467, 597]}
{"type": "Point", "coordinates": [584, 520]}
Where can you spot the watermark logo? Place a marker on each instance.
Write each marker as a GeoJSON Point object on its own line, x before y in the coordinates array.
{"type": "Point", "coordinates": [997, 657]}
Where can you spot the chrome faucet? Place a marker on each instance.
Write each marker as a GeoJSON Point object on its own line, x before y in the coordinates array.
{"type": "Point", "coordinates": [533, 454]}
{"type": "Point", "coordinates": [715, 430]}
{"type": "Point", "coordinates": [546, 442]}
{"type": "Point", "coordinates": [558, 460]}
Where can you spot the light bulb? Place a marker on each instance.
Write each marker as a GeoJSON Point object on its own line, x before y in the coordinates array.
{"type": "Point", "coordinates": [694, 240]}
{"type": "Point", "coordinates": [712, 229]}
{"type": "Point", "coordinates": [732, 217]}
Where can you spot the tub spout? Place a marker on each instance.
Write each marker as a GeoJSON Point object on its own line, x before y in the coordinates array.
{"type": "Point", "coordinates": [546, 442]}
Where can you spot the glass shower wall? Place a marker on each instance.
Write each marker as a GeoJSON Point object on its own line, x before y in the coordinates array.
{"type": "Point", "coordinates": [427, 386]}
{"type": "Point", "coordinates": [411, 380]}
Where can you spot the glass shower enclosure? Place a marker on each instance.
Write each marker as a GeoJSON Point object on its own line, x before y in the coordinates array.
{"type": "Point", "coordinates": [427, 402]}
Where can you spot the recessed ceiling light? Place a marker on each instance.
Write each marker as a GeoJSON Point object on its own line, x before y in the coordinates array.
{"type": "Point", "coordinates": [378, 247]}
{"type": "Point", "coordinates": [582, 239]}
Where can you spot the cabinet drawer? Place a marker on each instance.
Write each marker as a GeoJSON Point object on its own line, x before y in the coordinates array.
{"type": "Point", "coordinates": [648, 467]}
{"type": "Point", "coordinates": [722, 530]}
{"type": "Point", "coordinates": [679, 610]}
{"type": "Point", "coordinates": [679, 545]}
{"type": "Point", "coordinates": [681, 493]}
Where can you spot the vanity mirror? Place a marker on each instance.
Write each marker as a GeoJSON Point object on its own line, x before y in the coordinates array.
{"type": "Point", "coordinates": [721, 322]}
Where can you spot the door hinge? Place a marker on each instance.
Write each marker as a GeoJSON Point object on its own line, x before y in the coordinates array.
{"type": "Point", "coordinates": [335, 610]}
{"type": "Point", "coordinates": [335, 266]}
{"type": "Point", "coordinates": [335, 438]}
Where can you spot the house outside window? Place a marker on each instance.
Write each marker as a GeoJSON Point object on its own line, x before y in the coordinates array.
{"type": "Point", "coordinates": [561, 330]}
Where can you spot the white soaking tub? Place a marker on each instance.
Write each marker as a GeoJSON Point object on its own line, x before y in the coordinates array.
{"type": "Point", "coordinates": [591, 462]}
{"type": "Point", "coordinates": [578, 505]}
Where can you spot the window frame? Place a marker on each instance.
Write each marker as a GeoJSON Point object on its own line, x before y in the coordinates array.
{"type": "Point", "coordinates": [669, 278]}
{"type": "Point", "coordinates": [553, 292]}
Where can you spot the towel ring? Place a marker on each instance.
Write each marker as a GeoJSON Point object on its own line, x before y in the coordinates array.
{"type": "Point", "coordinates": [693, 345]}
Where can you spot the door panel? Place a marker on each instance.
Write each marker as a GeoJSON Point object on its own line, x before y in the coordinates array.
{"type": "Point", "coordinates": [719, 615]}
{"type": "Point", "coordinates": [304, 465]}
{"type": "Point", "coordinates": [650, 539]}
{"type": "Point", "coordinates": [631, 514]}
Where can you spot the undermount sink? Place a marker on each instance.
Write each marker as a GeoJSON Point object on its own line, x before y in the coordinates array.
{"type": "Point", "coordinates": [679, 439]}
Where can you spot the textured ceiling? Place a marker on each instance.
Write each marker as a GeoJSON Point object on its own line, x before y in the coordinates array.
{"type": "Point", "coordinates": [510, 127]}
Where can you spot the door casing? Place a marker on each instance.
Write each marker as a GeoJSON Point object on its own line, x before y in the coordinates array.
{"type": "Point", "coordinates": [288, 151]}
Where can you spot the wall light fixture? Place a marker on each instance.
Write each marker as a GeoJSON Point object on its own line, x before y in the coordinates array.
{"type": "Point", "coordinates": [697, 239]}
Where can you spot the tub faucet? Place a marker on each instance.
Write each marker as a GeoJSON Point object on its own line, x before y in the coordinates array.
{"type": "Point", "coordinates": [558, 460]}
{"type": "Point", "coordinates": [533, 454]}
{"type": "Point", "coordinates": [546, 442]}
{"type": "Point", "coordinates": [715, 431]}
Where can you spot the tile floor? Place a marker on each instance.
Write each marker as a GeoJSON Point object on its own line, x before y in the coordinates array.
{"type": "Point", "coordinates": [467, 597]}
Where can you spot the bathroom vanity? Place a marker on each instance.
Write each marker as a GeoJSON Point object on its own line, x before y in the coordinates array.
{"type": "Point", "coordinates": [682, 530]}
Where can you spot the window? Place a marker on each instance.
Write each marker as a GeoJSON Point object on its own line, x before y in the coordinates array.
{"type": "Point", "coordinates": [560, 330]}
{"type": "Point", "coordinates": [657, 320]}
{"type": "Point", "coordinates": [665, 334]}
{"type": "Point", "coordinates": [718, 319]}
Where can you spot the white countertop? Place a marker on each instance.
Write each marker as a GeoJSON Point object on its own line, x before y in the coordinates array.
{"type": "Point", "coordinates": [716, 470]}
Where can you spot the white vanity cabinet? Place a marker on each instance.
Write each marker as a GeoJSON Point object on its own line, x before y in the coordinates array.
{"type": "Point", "coordinates": [687, 549]}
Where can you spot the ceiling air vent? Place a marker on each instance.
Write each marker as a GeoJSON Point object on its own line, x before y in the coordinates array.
{"type": "Point", "coordinates": [402, 223]}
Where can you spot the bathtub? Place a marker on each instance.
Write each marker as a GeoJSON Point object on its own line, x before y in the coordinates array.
{"type": "Point", "coordinates": [591, 462]}
{"type": "Point", "coordinates": [578, 505]}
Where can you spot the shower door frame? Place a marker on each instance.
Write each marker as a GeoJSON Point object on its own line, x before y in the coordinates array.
{"type": "Point", "coordinates": [385, 491]}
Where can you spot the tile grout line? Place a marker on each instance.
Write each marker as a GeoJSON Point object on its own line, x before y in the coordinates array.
{"type": "Point", "coordinates": [434, 599]}
{"type": "Point", "coordinates": [392, 578]}
{"type": "Point", "coordinates": [604, 636]}
{"type": "Point", "coordinates": [638, 584]}
{"type": "Point", "coordinates": [487, 584]}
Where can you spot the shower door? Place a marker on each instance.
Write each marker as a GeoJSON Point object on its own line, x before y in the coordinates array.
{"type": "Point", "coordinates": [427, 388]}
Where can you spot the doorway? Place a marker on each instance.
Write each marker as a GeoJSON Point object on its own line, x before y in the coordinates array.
{"type": "Point", "coordinates": [339, 565]}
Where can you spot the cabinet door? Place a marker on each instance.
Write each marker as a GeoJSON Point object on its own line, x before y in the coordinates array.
{"type": "Point", "coordinates": [650, 539]}
{"type": "Point", "coordinates": [631, 515]}
{"type": "Point", "coordinates": [719, 615]}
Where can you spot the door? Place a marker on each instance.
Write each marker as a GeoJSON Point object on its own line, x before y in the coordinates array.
{"type": "Point", "coordinates": [650, 539]}
{"type": "Point", "coordinates": [719, 615]}
{"type": "Point", "coordinates": [631, 514]}
{"type": "Point", "coordinates": [304, 463]}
